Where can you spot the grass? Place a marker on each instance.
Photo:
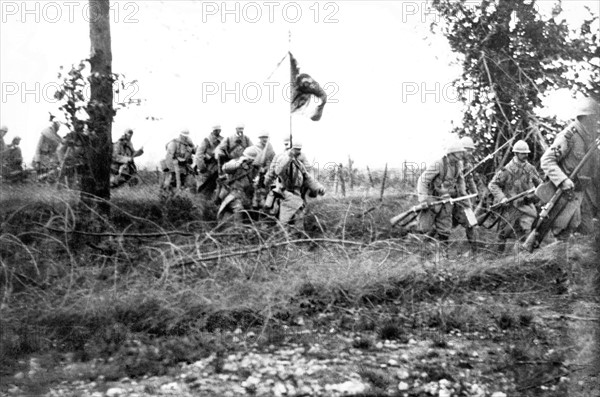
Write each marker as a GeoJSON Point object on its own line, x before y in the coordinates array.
{"type": "Point", "coordinates": [140, 292]}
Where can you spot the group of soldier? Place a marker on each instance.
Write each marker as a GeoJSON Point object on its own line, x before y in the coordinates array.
{"type": "Point", "coordinates": [242, 178]}
{"type": "Point", "coordinates": [447, 186]}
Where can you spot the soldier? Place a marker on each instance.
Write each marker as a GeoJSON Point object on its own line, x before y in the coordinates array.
{"type": "Point", "coordinates": [233, 146]}
{"type": "Point", "coordinates": [45, 160]}
{"type": "Point", "coordinates": [206, 163]}
{"type": "Point", "coordinates": [440, 180]}
{"type": "Point", "coordinates": [515, 177]}
{"type": "Point", "coordinates": [177, 163]}
{"type": "Point", "coordinates": [3, 131]}
{"type": "Point", "coordinates": [122, 167]}
{"type": "Point", "coordinates": [241, 174]}
{"type": "Point", "coordinates": [302, 157]}
{"type": "Point", "coordinates": [14, 161]}
{"type": "Point", "coordinates": [263, 162]}
{"type": "Point", "coordinates": [562, 157]}
{"type": "Point", "coordinates": [290, 181]}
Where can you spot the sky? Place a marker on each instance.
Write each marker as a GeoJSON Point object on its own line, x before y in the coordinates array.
{"type": "Point", "coordinates": [201, 63]}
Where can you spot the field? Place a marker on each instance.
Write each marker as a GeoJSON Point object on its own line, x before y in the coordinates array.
{"type": "Point", "coordinates": [157, 301]}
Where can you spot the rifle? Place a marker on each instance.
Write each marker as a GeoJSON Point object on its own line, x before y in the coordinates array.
{"type": "Point", "coordinates": [546, 218]}
{"type": "Point", "coordinates": [482, 218]}
{"type": "Point", "coordinates": [423, 206]}
{"type": "Point", "coordinates": [488, 157]}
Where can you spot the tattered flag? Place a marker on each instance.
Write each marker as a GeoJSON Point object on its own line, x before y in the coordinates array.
{"type": "Point", "coordinates": [304, 88]}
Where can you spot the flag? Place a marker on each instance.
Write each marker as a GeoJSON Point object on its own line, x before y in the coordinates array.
{"type": "Point", "coordinates": [305, 88]}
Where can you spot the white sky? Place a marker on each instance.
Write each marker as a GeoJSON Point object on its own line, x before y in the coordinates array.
{"type": "Point", "coordinates": [388, 78]}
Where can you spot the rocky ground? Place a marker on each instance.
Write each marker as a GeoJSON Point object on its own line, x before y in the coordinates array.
{"type": "Point", "coordinates": [513, 336]}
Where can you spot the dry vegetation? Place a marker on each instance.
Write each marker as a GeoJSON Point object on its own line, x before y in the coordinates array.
{"type": "Point", "coordinates": [157, 284]}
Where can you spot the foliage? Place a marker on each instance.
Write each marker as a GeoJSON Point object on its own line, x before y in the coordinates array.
{"type": "Point", "coordinates": [512, 56]}
{"type": "Point", "coordinates": [74, 95]}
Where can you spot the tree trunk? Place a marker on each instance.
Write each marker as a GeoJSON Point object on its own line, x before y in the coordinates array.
{"type": "Point", "coordinates": [96, 185]}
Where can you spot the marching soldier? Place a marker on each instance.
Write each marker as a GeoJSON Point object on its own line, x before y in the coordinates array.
{"type": "Point", "coordinates": [515, 177]}
{"type": "Point", "coordinates": [206, 163]}
{"type": "Point", "coordinates": [177, 163]}
{"type": "Point", "coordinates": [46, 160]}
{"type": "Point", "coordinates": [289, 181]}
{"type": "Point", "coordinates": [441, 180]}
{"type": "Point", "coordinates": [561, 158]}
{"type": "Point", "coordinates": [122, 167]}
{"type": "Point", "coordinates": [263, 161]}
{"type": "Point", "coordinates": [233, 146]}
{"type": "Point", "coordinates": [241, 174]}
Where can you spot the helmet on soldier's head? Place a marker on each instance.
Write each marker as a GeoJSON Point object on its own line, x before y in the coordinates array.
{"type": "Point", "coordinates": [185, 132]}
{"type": "Point", "coordinates": [240, 125]}
{"type": "Point", "coordinates": [250, 152]}
{"type": "Point", "coordinates": [56, 125]}
{"type": "Point", "coordinates": [587, 106]}
{"type": "Point", "coordinates": [296, 144]}
{"type": "Point", "coordinates": [521, 147]}
{"type": "Point", "coordinates": [216, 127]}
{"type": "Point", "coordinates": [467, 142]}
{"type": "Point", "coordinates": [455, 146]}
{"type": "Point", "coordinates": [4, 128]}
{"type": "Point", "coordinates": [263, 134]}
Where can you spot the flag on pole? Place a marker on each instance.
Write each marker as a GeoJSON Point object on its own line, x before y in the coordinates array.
{"type": "Point", "coordinates": [304, 89]}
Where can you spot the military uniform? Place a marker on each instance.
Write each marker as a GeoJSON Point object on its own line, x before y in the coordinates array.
{"type": "Point", "coordinates": [513, 179]}
{"type": "Point", "coordinates": [293, 182]}
{"type": "Point", "coordinates": [241, 174]}
{"type": "Point", "coordinates": [178, 160]}
{"type": "Point", "coordinates": [45, 159]}
{"type": "Point", "coordinates": [442, 178]}
{"type": "Point", "coordinates": [263, 162]}
{"type": "Point", "coordinates": [122, 165]}
{"type": "Point", "coordinates": [206, 164]}
{"type": "Point", "coordinates": [567, 150]}
{"type": "Point", "coordinates": [232, 147]}
{"type": "Point", "coordinates": [13, 170]}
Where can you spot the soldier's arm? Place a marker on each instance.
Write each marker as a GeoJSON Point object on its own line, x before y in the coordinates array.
{"type": "Point", "coordinates": [535, 176]}
{"type": "Point", "coordinates": [232, 166]}
{"type": "Point", "coordinates": [462, 186]}
{"type": "Point", "coordinates": [551, 158]}
{"type": "Point", "coordinates": [496, 184]}
{"type": "Point", "coordinates": [222, 149]}
{"type": "Point", "coordinates": [424, 188]}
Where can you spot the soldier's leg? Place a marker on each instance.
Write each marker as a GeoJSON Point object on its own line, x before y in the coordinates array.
{"type": "Point", "coordinates": [443, 226]}
{"type": "Point", "coordinates": [459, 217]}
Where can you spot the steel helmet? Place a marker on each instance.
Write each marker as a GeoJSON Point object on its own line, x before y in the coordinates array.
{"type": "Point", "coordinates": [4, 128]}
{"type": "Point", "coordinates": [467, 142]}
{"type": "Point", "coordinates": [185, 132]}
{"type": "Point", "coordinates": [240, 125]}
{"type": "Point", "coordinates": [263, 134]}
{"type": "Point", "coordinates": [587, 106]}
{"type": "Point", "coordinates": [296, 144]}
{"type": "Point", "coordinates": [216, 127]}
{"type": "Point", "coordinates": [455, 146]}
{"type": "Point", "coordinates": [251, 152]}
{"type": "Point", "coordinates": [521, 147]}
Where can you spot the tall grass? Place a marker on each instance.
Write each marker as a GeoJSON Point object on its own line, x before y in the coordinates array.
{"type": "Point", "coordinates": [161, 270]}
